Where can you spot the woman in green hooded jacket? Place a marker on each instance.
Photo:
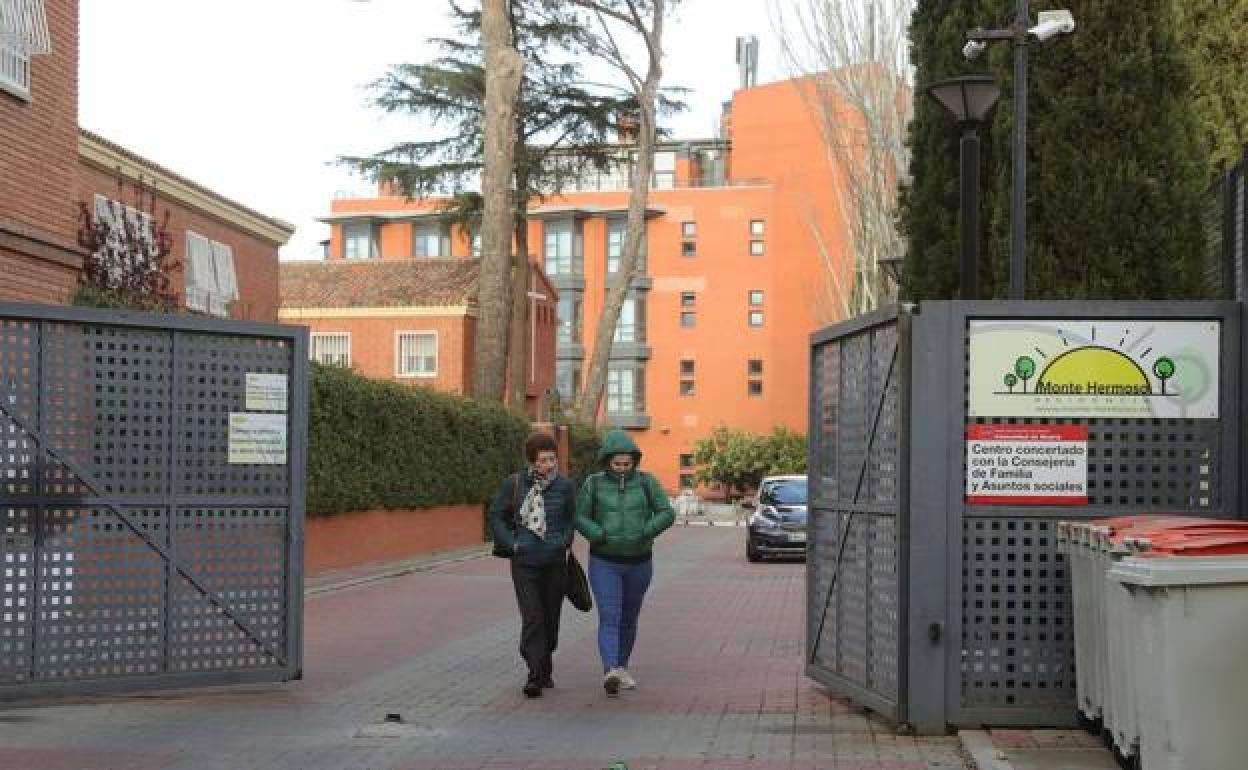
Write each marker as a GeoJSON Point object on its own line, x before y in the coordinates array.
{"type": "Point", "coordinates": [619, 511]}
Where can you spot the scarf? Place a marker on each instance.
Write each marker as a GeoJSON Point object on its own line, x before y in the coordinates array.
{"type": "Point", "coordinates": [533, 510]}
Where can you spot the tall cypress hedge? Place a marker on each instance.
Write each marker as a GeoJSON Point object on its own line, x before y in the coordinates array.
{"type": "Point", "coordinates": [376, 444]}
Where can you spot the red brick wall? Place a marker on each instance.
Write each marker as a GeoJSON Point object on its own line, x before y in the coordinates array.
{"type": "Point", "coordinates": [255, 259]}
{"type": "Point", "coordinates": [351, 539]}
{"type": "Point", "coordinates": [39, 257]}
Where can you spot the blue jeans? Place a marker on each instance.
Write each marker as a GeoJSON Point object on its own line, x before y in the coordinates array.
{"type": "Point", "coordinates": [618, 591]}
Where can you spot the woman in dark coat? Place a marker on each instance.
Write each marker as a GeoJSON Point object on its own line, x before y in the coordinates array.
{"type": "Point", "coordinates": [533, 518]}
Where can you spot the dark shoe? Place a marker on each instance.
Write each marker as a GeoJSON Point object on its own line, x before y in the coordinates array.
{"type": "Point", "coordinates": [546, 682]}
{"type": "Point", "coordinates": [533, 688]}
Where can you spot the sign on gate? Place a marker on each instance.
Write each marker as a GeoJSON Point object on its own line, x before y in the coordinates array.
{"type": "Point", "coordinates": [1027, 464]}
{"type": "Point", "coordinates": [1024, 367]}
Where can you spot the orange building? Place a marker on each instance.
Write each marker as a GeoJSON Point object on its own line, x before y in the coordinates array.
{"type": "Point", "coordinates": [743, 260]}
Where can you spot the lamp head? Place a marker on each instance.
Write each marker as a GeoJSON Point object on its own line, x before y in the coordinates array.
{"type": "Point", "coordinates": [1052, 24]}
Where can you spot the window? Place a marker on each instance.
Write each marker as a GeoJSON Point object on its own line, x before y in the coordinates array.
{"type": "Point", "coordinates": [616, 232]}
{"type": "Point", "coordinates": [631, 326]}
{"type": "Point", "coordinates": [688, 314]}
{"type": "Point", "coordinates": [688, 320]}
{"type": "Point", "coordinates": [564, 246]}
{"type": "Point", "coordinates": [756, 249]}
{"type": "Point", "coordinates": [331, 348]}
{"type": "Point", "coordinates": [686, 481]}
{"type": "Point", "coordinates": [664, 170]}
{"type": "Point", "coordinates": [625, 390]}
{"type": "Point", "coordinates": [15, 71]}
{"type": "Point", "coordinates": [754, 374]}
{"type": "Point", "coordinates": [688, 299]}
{"type": "Point", "coordinates": [416, 354]}
{"type": "Point", "coordinates": [686, 461]}
{"type": "Point", "coordinates": [687, 369]}
{"type": "Point", "coordinates": [431, 239]}
{"type": "Point", "coordinates": [211, 284]}
{"type": "Point", "coordinates": [756, 318]}
{"type": "Point", "coordinates": [359, 240]}
{"type": "Point", "coordinates": [756, 298]}
{"type": "Point", "coordinates": [476, 244]}
{"type": "Point", "coordinates": [688, 239]}
{"type": "Point", "coordinates": [758, 228]}
{"type": "Point", "coordinates": [568, 379]}
{"type": "Point", "coordinates": [569, 311]}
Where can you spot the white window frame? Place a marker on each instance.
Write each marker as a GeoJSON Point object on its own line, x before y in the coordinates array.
{"type": "Point", "coordinates": [556, 235]}
{"type": "Point", "coordinates": [623, 400]}
{"type": "Point", "coordinates": [398, 353]}
{"type": "Point", "coordinates": [757, 248]}
{"type": "Point", "coordinates": [314, 354]}
{"type": "Point", "coordinates": [758, 228]}
{"type": "Point", "coordinates": [15, 71]}
{"type": "Point", "coordinates": [751, 297]}
{"type": "Point", "coordinates": [756, 319]}
{"type": "Point", "coordinates": [347, 228]}
{"type": "Point", "coordinates": [425, 233]}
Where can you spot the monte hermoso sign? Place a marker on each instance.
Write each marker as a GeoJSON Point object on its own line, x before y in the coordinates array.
{"type": "Point", "coordinates": [1093, 368]}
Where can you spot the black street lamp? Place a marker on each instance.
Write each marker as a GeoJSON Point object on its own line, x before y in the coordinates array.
{"type": "Point", "coordinates": [1020, 34]}
{"type": "Point", "coordinates": [969, 99]}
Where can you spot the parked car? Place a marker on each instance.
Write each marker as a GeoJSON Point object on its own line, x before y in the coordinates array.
{"type": "Point", "coordinates": [777, 526]}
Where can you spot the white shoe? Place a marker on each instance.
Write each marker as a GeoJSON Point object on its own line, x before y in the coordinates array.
{"type": "Point", "coordinates": [627, 681]}
{"type": "Point", "coordinates": [611, 682]}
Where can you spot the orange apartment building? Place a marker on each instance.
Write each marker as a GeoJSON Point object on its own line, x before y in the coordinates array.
{"type": "Point", "coordinates": [226, 254]}
{"type": "Point", "coordinates": [744, 258]}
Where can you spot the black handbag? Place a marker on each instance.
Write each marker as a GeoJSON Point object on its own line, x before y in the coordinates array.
{"type": "Point", "coordinates": [577, 587]}
{"type": "Point", "coordinates": [500, 550]}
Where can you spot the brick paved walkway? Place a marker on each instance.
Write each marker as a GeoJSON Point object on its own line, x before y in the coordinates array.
{"type": "Point", "coordinates": [718, 660]}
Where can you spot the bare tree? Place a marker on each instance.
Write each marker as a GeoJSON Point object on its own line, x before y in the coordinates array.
{"type": "Point", "coordinates": [640, 19]}
{"type": "Point", "coordinates": [854, 56]}
{"type": "Point", "coordinates": [504, 68]}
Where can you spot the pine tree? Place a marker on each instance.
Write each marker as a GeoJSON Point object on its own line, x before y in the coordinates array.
{"type": "Point", "coordinates": [1116, 162]}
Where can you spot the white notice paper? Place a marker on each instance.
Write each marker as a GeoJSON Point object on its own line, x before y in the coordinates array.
{"type": "Point", "coordinates": [257, 439]}
{"type": "Point", "coordinates": [266, 392]}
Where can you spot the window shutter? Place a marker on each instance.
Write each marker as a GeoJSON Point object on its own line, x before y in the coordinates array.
{"type": "Point", "coordinates": [201, 277]}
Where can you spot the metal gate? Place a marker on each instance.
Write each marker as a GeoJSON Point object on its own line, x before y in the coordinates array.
{"type": "Point", "coordinates": [151, 501]}
{"type": "Point", "coordinates": [857, 529]}
{"type": "Point", "coordinates": [943, 613]}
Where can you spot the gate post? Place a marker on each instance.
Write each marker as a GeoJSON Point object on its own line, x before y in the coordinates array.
{"type": "Point", "coordinates": [934, 411]}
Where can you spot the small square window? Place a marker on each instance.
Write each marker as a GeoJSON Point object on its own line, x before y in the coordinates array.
{"type": "Point", "coordinates": [689, 229]}
{"type": "Point", "coordinates": [756, 387]}
{"type": "Point", "coordinates": [756, 248]}
{"type": "Point", "coordinates": [756, 297]}
{"type": "Point", "coordinates": [688, 320]}
{"type": "Point", "coordinates": [686, 481]}
{"type": "Point", "coordinates": [755, 367]}
{"type": "Point", "coordinates": [687, 298]}
{"type": "Point", "coordinates": [686, 461]}
{"type": "Point", "coordinates": [688, 249]}
{"type": "Point", "coordinates": [686, 387]}
{"type": "Point", "coordinates": [757, 228]}
{"type": "Point", "coordinates": [686, 368]}
{"type": "Point", "coordinates": [756, 318]}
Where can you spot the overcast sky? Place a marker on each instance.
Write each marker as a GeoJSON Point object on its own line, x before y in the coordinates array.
{"type": "Point", "coordinates": [254, 98]}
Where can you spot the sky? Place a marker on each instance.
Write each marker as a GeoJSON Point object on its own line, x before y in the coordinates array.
{"type": "Point", "coordinates": [254, 99]}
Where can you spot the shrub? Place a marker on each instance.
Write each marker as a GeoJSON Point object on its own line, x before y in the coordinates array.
{"type": "Point", "coordinates": [378, 444]}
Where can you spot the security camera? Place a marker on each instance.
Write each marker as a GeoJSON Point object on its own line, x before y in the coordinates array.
{"type": "Point", "coordinates": [1053, 23]}
{"type": "Point", "coordinates": [973, 49]}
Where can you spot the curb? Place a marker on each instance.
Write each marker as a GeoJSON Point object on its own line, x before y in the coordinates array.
{"type": "Point", "coordinates": [984, 756]}
{"type": "Point", "coordinates": [398, 570]}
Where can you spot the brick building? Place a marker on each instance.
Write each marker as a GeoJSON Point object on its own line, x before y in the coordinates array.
{"type": "Point", "coordinates": [744, 258]}
{"type": "Point", "coordinates": [409, 319]}
{"type": "Point", "coordinates": [226, 253]}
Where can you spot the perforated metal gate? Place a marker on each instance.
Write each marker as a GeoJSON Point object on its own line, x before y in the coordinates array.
{"type": "Point", "coordinates": [854, 573]}
{"type": "Point", "coordinates": [133, 553]}
{"type": "Point", "coordinates": [942, 613]}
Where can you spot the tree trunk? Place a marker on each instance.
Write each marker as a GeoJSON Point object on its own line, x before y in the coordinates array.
{"type": "Point", "coordinates": [503, 70]}
{"type": "Point", "coordinates": [604, 335]}
{"type": "Point", "coordinates": [521, 320]}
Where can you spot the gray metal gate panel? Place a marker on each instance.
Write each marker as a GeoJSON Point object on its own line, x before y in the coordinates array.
{"type": "Point", "coordinates": [132, 554]}
{"type": "Point", "coordinates": [855, 605]}
{"type": "Point", "coordinates": [1011, 646]}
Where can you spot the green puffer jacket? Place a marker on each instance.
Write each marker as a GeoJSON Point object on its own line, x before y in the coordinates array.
{"type": "Point", "coordinates": [615, 514]}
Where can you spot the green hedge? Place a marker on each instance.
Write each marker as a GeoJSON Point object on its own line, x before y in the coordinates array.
{"type": "Point", "coordinates": [376, 444]}
{"type": "Point", "coordinates": [583, 444]}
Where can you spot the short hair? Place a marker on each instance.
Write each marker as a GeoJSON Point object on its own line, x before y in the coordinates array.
{"type": "Point", "coordinates": [537, 443]}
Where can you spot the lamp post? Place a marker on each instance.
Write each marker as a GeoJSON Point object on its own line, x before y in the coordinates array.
{"type": "Point", "coordinates": [969, 99]}
{"type": "Point", "coordinates": [1051, 23]}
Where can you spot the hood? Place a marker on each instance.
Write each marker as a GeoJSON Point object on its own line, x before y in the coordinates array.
{"type": "Point", "coordinates": [618, 442]}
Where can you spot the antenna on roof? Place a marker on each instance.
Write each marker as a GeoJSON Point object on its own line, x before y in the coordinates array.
{"type": "Point", "coordinates": [747, 60]}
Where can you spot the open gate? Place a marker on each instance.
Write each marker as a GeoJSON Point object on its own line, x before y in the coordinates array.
{"type": "Point", "coordinates": [151, 500]}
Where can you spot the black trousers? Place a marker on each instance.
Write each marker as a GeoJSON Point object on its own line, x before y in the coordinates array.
{"type": "Point", "coordinates": [539, 593]}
